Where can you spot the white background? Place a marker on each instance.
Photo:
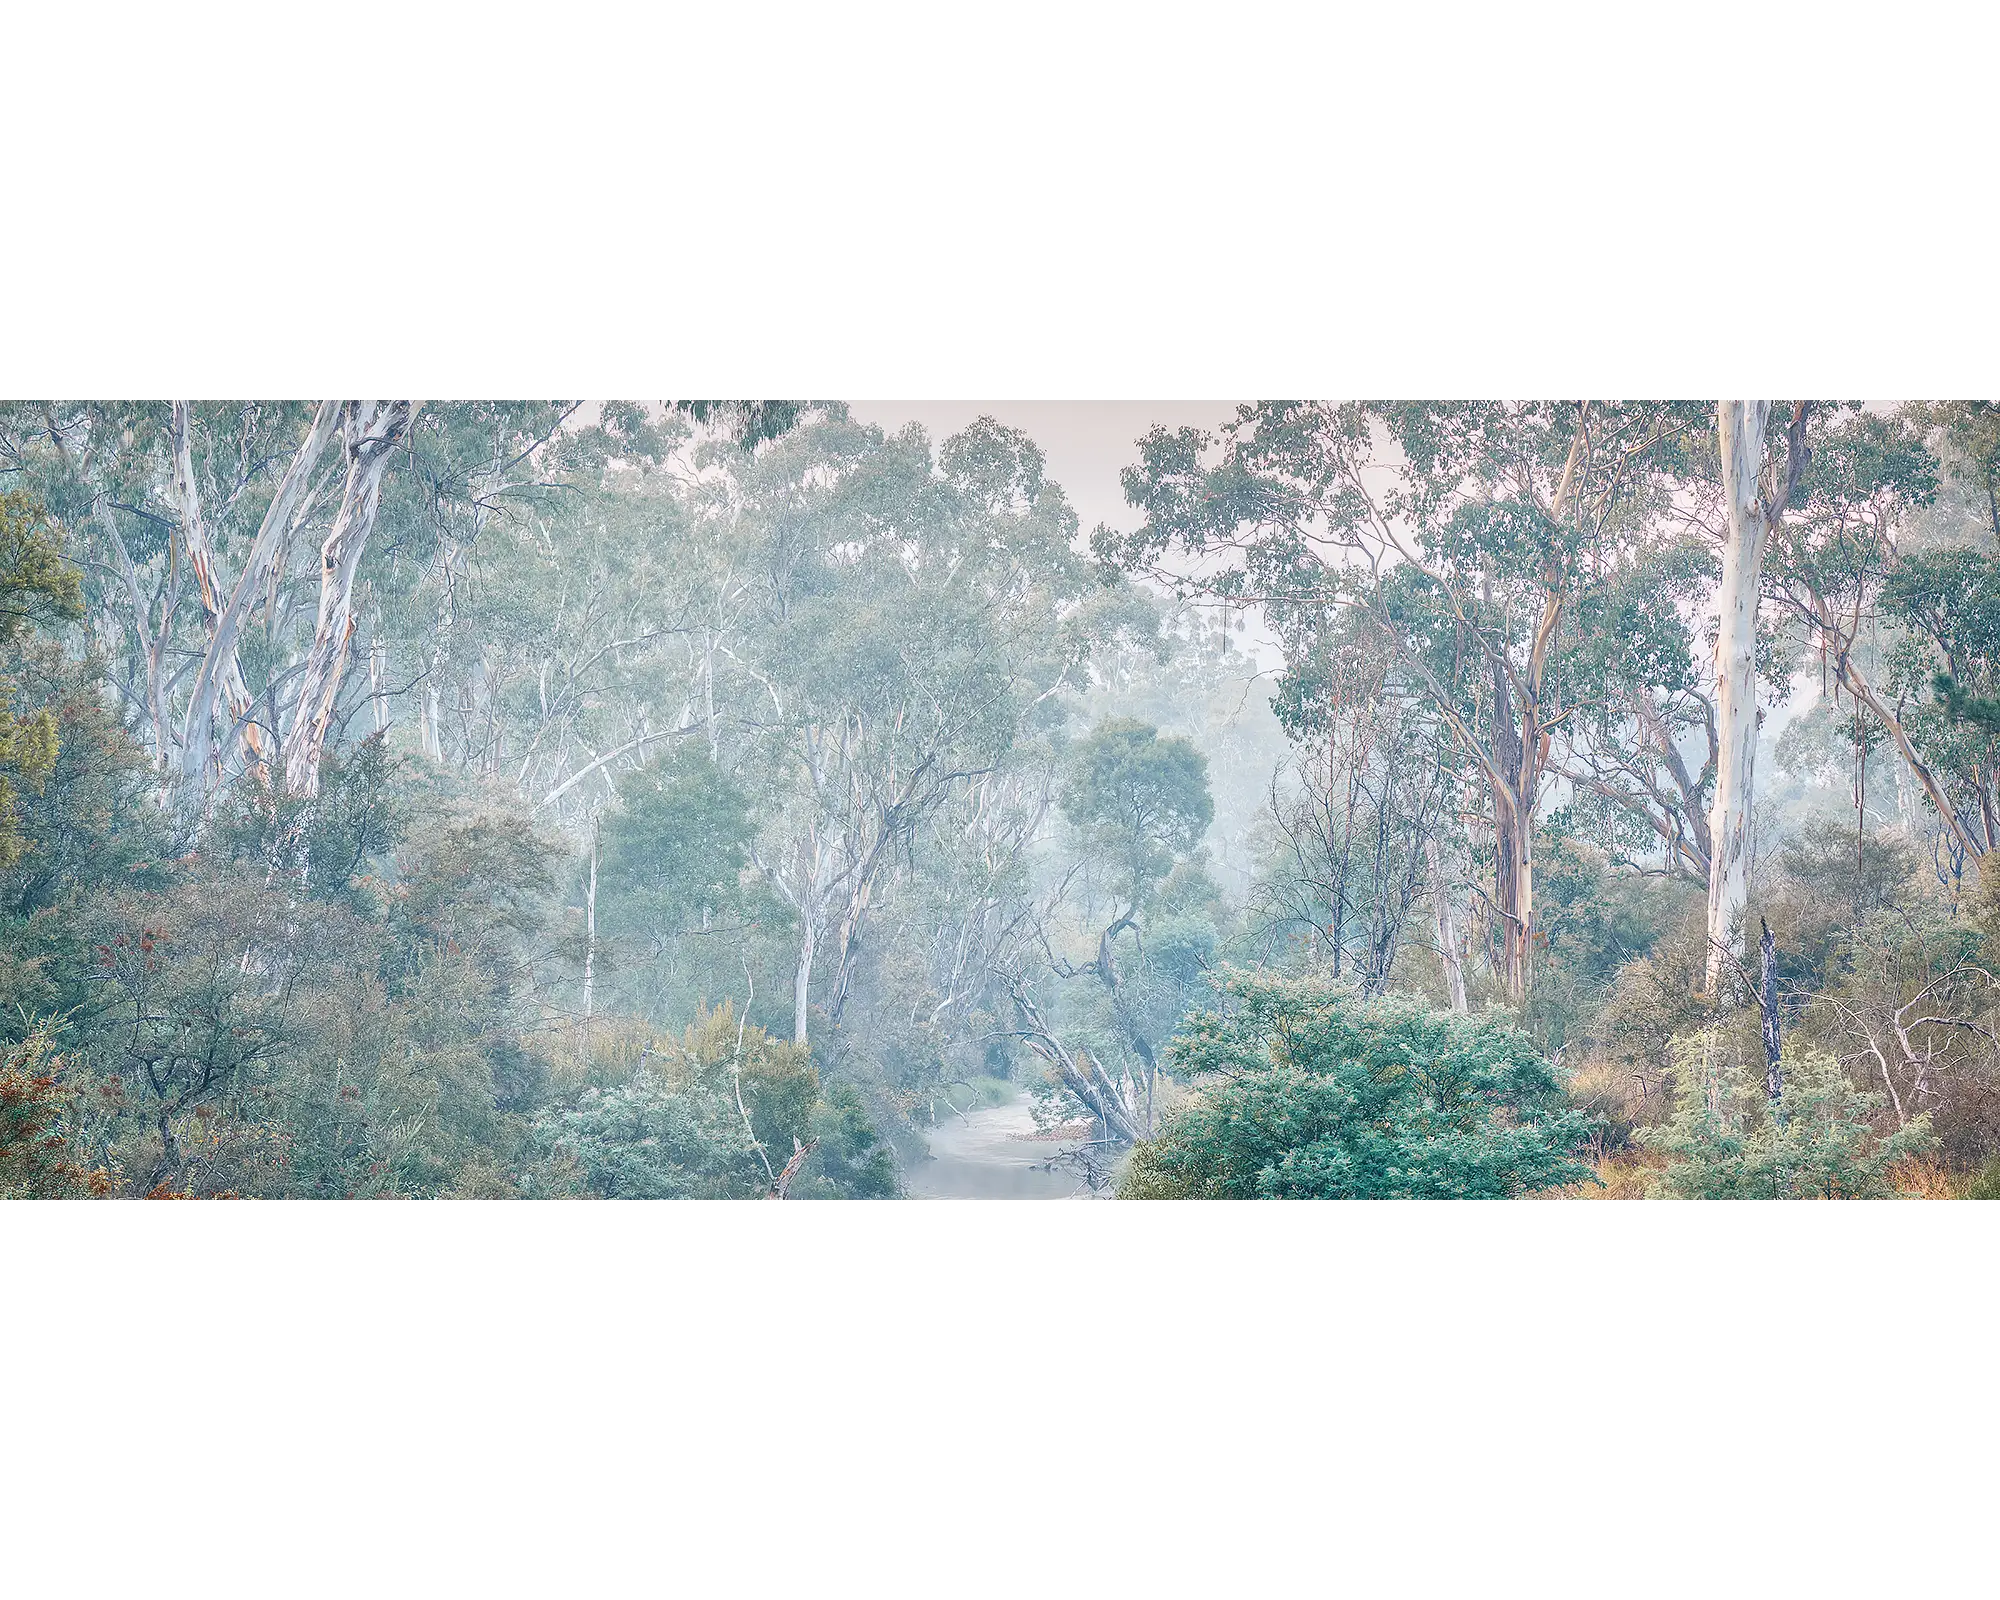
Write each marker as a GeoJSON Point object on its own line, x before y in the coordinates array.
{"type": "Point", "coordinates": [1154, 202]}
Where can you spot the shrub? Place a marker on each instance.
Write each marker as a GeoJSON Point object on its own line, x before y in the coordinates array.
{"type": "Point", "coordinates": [1306, 1092]}
{"type": "Point", "coordinates": [38, 1160]}
{"type": "Point", "coordinates": [1817, 1142]}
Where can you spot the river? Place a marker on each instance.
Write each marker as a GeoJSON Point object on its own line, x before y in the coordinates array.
{"type": "Point", "coordinates": [995, 1154]}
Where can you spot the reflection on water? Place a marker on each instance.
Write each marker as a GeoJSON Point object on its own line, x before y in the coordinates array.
{"type": "Point", "coordinates": [980, 1156]}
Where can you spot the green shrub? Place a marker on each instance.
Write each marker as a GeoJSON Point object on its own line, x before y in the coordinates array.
{"type": "Point", "coordinates": [1305, 1092]}
{"type": "Point", "coordinates": [1819, 1141]}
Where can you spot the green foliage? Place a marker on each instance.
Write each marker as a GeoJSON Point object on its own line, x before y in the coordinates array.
{"type": "Point", "coordinates": [1598, 921]}
{"type": "Point", "coordinates": [1961, 705]}
{"type": "Point", "coordinates": [712, 1115]}
{"type": "Point", "coordinates": [1820, 1140]}
{"type": "Point", "coordinates": [674, 849]}
{"type": "Point", "coordinates": [1307, 1094]}
{"type": "Point", "coordinates": [325, 842]}
{"type": "Point", "coordinates": [753, 422]}
{"type": "Point", "coordinates": [852, 1162]}
{"type": "Point", "coordinates": [1139, 799]}
{"type": "Point", "coordinates": [37, 588]}
{"type": "Point", "coordinates": [39, 1157]}
{"type": "Point", "coordinates": [654, 1139]}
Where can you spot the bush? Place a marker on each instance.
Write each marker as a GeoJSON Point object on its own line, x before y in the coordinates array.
{"type": "Point", "coordinates": [38, 1158]}
{"type": "Point", "coordinates": [1818, 1142]}
{"type": "Point", "coordinates": [1309, 1093]}
{"type": "Point", "coordinates": [689, 1121]}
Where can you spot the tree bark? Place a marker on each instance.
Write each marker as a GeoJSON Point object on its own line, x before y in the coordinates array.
{"type": "Point", "coordinates": [1851, 678]}
{"type": "Point", "coordinates": [802, 977]}
{"type": "Point", "coordinates": [152, 646]}
{"type": "Point", "coordinates": [801, 1153]}
{"type": "Point", "coordinates": [220, 669]}
{"type": "Point", "coordinates": [1078, 1072]}
{"type": "Point", "coordinates": [1740, 427]}
{"type": "Point", "coordinates": [1514, 785]}
{"type": "Point", "coordinates": [590, 940]}
{"type": "Point", "coordinates": [1767, 998]}
{"type": "Point", "coordinates": [1447, 927]}
{"type": "Point", "coordinates": [372, 431]}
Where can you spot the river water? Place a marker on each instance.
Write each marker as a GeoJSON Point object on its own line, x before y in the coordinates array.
{"type": "Point", "coordinates": [994, 1154]}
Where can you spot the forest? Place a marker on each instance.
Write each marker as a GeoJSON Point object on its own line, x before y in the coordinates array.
{"type": "Point", "coordinates": [741, 799]}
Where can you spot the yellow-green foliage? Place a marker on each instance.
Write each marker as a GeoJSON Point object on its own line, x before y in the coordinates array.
{"type": "Point", "coordinates": [1818, 1142]}
{"type": "Point", "coordinates": [36, 586]}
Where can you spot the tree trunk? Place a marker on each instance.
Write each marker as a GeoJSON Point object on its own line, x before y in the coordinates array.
{"type": "Point", "coordinates": [152, 646]}
{"type": "Point", "coordinates": [1740, 426]}
{"type": "Point", "coordinates": [860, 896]}
{"type": "Point", "coordinates": [1767, 997]}
{"type": "Point", "coordinates": [378, 680]}
{"type": "Point", "coordinates": [801, 1153]}
{"type": "Point", "coordinates": [1513, 839]}
{"type": "Point", "coordinates": [802, 978]}
{"type": "Point", "coordinates": [220, 670]}
{"type": "Point", "coordinates": [1078, 1072]}
{"type": "Point", "coordinates": [1447, 927]}
{"type": "Point", "coordinates": [196, 748]}
{"type": "Point", "coordinates": [589, 941]}
{"type": "Point", "coordinates": [1850, 678]}
{"type": "Point", "coordinates": [1517, 899]}
{"type": "Point", "coordinates": [429, 735]}
{"type": "Point", "coordinates": [373, 430]}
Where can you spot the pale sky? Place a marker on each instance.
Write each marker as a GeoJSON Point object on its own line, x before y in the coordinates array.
{"type": "Point", "coordinates": [1088, 442]}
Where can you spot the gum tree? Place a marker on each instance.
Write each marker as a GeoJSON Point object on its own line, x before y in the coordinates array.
{"type": "Point", "coordinates": [1469, 535]}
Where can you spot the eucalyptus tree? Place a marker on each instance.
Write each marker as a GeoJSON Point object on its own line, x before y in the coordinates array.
{"type": "Point", "coordinates": [1943, 672]}
{"type": "Point", "coordinates": [1468, 534]}
{"type": "Point", "coordinates": [1834, 573]}
{"type": "Point", "coordinates": [1946, 671]}
{"type": "Point", "coordinates": [1359, 812]}
{"type": "Point", "coordinates": [221, 669]}
{"type": "Point", "coordinates": [930, 1011]}
{"type": "Point", "coordinates": [1104, 955]}
{"type": "Point", "coordinates": [1754, 497]}
{"type": "Point", "coordinates": [371, 431]}
{"type": "Point", "coordinates": [919, 610]}
{"type": "Point", "coordinates": [189, 516]}
{"type": "Point", "coordinates": [1641, 747]}
{"type": "Point", "coordinates": [148, 493]}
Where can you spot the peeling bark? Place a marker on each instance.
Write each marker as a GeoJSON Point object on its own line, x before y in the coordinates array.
{"type": "Point", "coordinates": [220, 670]}
{"type": "Point", "coordinates": [801, 1153]}
{"type": "Point", "coordinates": [372, 430]}
{"type": "Point", "coordinates": [1740, 426]}
{"type": "Point", "coordinates": [1740, 429]}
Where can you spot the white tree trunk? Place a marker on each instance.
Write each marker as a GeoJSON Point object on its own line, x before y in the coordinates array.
{"type": "Point", "coordinates": [378, 680]}
{"type": "Point", "coordinates": [373, 429]}
{"type": "Point", "coordinates": [220, 670]}
{"type": "Point", "coordinates": [1740, 426]}
{"type": "Point", "coordinates": [802, 979]}
{"type": "Point", "coordinates": [1447, 927]}
{"type": "Point", "coordinates": [152, 646]}
{"type": "Point", "coordinates": [590, 941]}
{"type": "Point", "coordinates": [225, 673]}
